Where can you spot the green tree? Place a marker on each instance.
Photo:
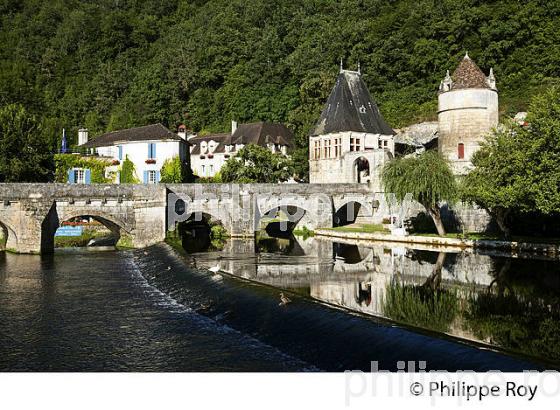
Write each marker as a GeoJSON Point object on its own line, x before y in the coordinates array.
{"type": "Point", "coordinates": [494, 184]}
{"type": "Point", "coordinates": [254, 163]}
{"type": "Point", "coordinates": [128, 173]}
{"type": "Point", "coordinates": [174, 171]}
{"type": "Point", "coordinates": [518, 168]}
{"type": "Point", "coordinates": [427, 177]}
{"type": "Point", "coordinates": [24, 152]}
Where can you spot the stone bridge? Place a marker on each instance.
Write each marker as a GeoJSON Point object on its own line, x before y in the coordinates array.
{"type": "Point", "coordinates": [31, 213]}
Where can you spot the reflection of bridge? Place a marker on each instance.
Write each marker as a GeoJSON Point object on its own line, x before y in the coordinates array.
{"type": "Point", "coordinates": [31, 213]}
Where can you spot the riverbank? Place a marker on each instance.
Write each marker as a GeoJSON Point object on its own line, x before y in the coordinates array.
{"type": "Point", "coordinates": [549, 249]}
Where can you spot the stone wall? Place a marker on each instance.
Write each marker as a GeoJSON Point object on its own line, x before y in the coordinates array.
{"type": "Point", "coordinates": [465, 116]}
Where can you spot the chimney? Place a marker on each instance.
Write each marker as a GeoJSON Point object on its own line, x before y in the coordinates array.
{"type": "Point", "coordinates": [82, 136]}
{"type": "Point", "coordinates": [233, 126]}
{"type": "Point", "coordinates": [182, 131]}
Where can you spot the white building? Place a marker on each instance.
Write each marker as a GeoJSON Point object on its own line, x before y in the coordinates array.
{"type": "Point", "coordinates": [351, 141]}
{"type": "Point", "coordinates": [148, 147]}
{"type": "Point", "coordinates": [210, 152]}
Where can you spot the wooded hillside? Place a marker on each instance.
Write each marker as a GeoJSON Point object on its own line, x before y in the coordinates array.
{"type": "Point", "coordinates": [111, 64]}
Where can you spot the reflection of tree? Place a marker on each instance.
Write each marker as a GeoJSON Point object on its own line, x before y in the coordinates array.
{"type": "Point", "coordinates": [508, 320]}
{"type": "Point", "coordinates": [425, 305]}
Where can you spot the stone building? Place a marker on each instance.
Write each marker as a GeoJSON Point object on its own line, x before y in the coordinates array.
{"type": "Point", "coordinates": [210, 152]}
{"type": "Point", "coordinates": [351, 140]}
{"type": "Point", "coordinates": [467, 111]}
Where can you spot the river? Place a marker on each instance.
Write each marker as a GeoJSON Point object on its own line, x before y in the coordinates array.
{"type": "Point", "coordinates": [350, 305]}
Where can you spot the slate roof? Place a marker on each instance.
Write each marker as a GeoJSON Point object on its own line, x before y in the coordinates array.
{"type": "Point", "coordinates": [262, 133]}
{"type": "Point", "coordinates": [154, 132]}
{"type": "Point", "coordinates": [221, 139]}
{"type": "Point", "coordinates": [468, 75]}
{"type": "Point", "coordinates": [258, 133]}
{"type": "Point", "coordinates": [350, 107]}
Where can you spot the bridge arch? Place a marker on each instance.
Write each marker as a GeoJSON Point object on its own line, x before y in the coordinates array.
{"type": "Point", "coordinates": [8, 236]}
{"type": "Point", "coordinates": [312, 212]}
{"type": "Point", "coordinates": [349, 209]}
{"type": "Point", "coordinates": [197, 233]}
{"type": "Point", "coordinates": [294, 214]}
{"type": "Point", "coordinates": [119, 229]}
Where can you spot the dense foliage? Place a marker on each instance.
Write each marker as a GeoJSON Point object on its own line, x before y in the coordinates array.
{"type": "Point", "coordinates": [254, 163]}
{"type": "Point", "coordinates": [65, 162]}
{"type": "Point", "coordinates": [517, 169]}
{"type": "Point", "coordinates": [174, 171]}
{"type": "Point", "coordinates": [128, 172]}
{"type": "Point", "coordinates": [427, 177]}
{"type": "Point", "coordinates": [110, 64]}
{"type": "Point", "coordinates": [22, 154]}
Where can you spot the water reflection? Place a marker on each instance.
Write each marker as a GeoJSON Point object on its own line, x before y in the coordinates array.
{"type": "Point", "coordinates": [491, 298]}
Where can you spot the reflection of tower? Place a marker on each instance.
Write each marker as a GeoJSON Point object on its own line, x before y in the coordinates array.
{"type": "Point", "coordinates": [467, 111]}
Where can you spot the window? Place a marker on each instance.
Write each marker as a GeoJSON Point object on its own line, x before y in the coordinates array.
{"type": "Point", "coordinates": [152, 177]}
{"type": "Point", "coordinates": [203, 170]}
{"type": "Point", "coordinates": [316, 150]}
{"type": "Point", "coordinates": [120, 152]}
{"type": "Point", "coordinates": [461, 151]}
{"type": "Point", "coordinates": [151, 151]}
{"type": "Point", "coordinates": [211, 170]}
{"type": "Point", "coordinates": [79, 176]}
{"type": "Point", "coordinates": [327, 148]}
{"type": "Point", "coordinates": [354, 144]}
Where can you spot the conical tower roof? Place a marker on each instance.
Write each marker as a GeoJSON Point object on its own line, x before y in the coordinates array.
{"type": "Point", "coordinates": [351, 108]}
{"type": "Point", "coordinates": [468, 75]}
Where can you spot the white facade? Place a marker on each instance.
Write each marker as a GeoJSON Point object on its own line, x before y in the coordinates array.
{"type": "Point", "coordinates": [209, 153]}
{"type": "Point", "coordinates": [147, 156]}
{"type": "Point", "coordinates": [209, 162]}
{"type": "Point", "coordinates": [339, 157]}
{"type": "Point", "coordinates": [147, 147]}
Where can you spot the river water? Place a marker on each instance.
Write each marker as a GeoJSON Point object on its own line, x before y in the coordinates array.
{"type": "Point", "coordinates": [350, 305]}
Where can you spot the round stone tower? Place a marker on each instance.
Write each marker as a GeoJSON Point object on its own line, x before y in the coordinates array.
{"type": "Point", "coordinates": [467, 111]}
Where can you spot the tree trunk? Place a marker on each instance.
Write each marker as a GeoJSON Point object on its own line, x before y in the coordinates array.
{"type": "Point", "coordinates": [501, 215]}
{"type": "Point", "coordinates": [434, 280]}
{"type": "Point", "coordinates": [435, 213]}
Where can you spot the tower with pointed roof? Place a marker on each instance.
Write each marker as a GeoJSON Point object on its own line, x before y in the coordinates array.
{"type": "Point", "coordinates": [351, 140]}
{"type": "Point", "coordinates": [467, 111]}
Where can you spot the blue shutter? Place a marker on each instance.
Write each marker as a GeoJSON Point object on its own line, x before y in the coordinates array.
{"type": "Point", "coordinates": [145, 177]}
{"type": "Point", "coordinates": [120, 152]}
{"type": "Point", "coordinates": [157, 176]}
{"type": "Point", "coordinates": [71, 179]}
{"type": "Point", "coordinates": [151, 151]}
{"type": "Point", "coordinates": [87, 176]}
